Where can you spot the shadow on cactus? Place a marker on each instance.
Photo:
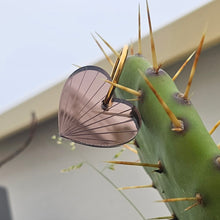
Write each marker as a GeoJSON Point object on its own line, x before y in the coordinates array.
{"type": "Point", "coordinates": [140, 101]}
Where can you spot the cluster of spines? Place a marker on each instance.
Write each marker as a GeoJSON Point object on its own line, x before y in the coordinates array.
{"type": "Point", "coordinates": [178, 125]}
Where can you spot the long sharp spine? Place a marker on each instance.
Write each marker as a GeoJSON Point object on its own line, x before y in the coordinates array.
{"type": "Point", "coordinates": [139, 31]}
{"type": "Point", "coordinates": [198, 200]}
{"type": "Point", "coordinates": [214, 128]}
{"type": "Point", "coordinates": [178, 125]}
{"type": "Point", "coordinates": [130, 148]}
{"type": "Point", "coordinates": [164, 217]}
{"type": "Point", "coordinates": [108, 45]}
{"type": "Point", "coordinates": [126, 89]}
{"type": "Point", "coordinates": [153, 50]}
{"type": "Point", "coordinates": [136, 187]}
{"type": "Point", "coordinates": [194, 67]}
{"type": "Point", "coordinates": [182, 67]}
{"type": "Point", "coordinates": [158, 165]}
{"type": "Point", "coordinates": [105, 54]}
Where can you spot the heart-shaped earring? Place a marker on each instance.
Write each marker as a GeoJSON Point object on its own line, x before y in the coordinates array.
{"type": "Point", "coordinates": [85, 119]}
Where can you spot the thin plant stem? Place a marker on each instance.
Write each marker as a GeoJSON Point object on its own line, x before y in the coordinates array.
{"type": "Point", "coordinates": [113, 184]}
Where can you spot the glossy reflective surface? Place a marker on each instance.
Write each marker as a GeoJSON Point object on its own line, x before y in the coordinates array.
{"type": "Point", "coordinates": [82, 118]}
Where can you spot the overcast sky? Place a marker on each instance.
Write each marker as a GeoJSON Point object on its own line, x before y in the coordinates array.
{"type": "Point", "coordinates": [40, 39]}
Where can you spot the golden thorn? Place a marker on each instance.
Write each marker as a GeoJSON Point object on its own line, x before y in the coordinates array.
{"type": "Point", "coordinates": [190, 207]}
{"type": "Point", "coordinates": [132, 100]}
{"type": "Point", "coordinates": [197, 198]}
{"type": "Point", "coordinates": [139, 31]}
{"type": "Point", "coordinates": [115, 75]}
{"type": "Point", "coordinates": [105, 54]}
{"type": "Point", "coordinates": [194, 67]}
{"type": "Point", "coordinates": [108, 45]}
{"type": "Point", "coordinates": [132, 49]}
{"type": "Point", "coordinates": [214, 128]}
{"type": "Point", "coordinates": [153, 50]}
{"type": "Point", "coordinates": [126, 89]}
{"type": "Point", "coordinates": [158, 67]}
{"type": "Point", "coordinates": [199, 202]}
{"type": "Point", "coordinates": [130, 148]}
{"type": "Point", "coordinates": [119, 64]}
{"type": "Point", "coordinates": [135, 187]}
{"type": "Point", "coordinates": [178, 124]}
{"type": "Point", "coordinates": [184, 64]}
{"type": "Point", "coordinates": [158, 165]}
{"type": "Point", "coordinates": [178, 199]}
{"type": "Point", "coordinates": [164, 217]}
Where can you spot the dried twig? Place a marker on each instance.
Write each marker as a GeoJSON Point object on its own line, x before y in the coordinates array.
{"type": "Point", "coordinates": [33, 127]}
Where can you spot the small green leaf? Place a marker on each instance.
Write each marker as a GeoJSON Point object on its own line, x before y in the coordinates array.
{"type": "Point", "coordinates": [59, 138]}
{"type": "Point", "coordinates": [54, 137]}
{"type": "Point", "coordinates": [72, 144]}
{"type": "Point", "coordinates": [119, 153]}
{"type": "Point", "coordinates": [111, 167]}
{"type": "Point", "coordinates": [74, 167]}
{"type": "Point", "coordinates": [73, 148]}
